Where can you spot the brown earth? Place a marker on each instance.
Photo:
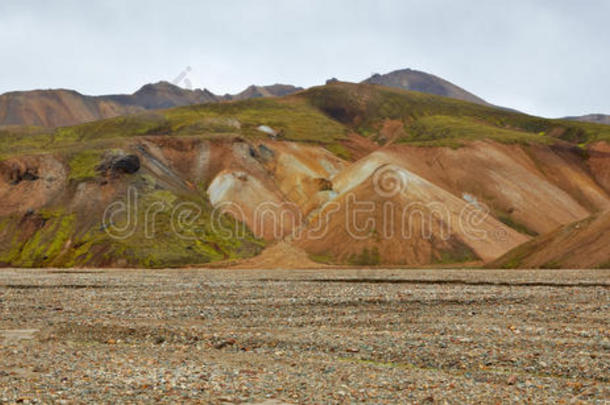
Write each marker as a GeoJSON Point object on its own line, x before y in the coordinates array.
{"type": "Point", "coordinates": [53, 108]}
{"type": "Point", "coordinates": [583, 244]}
{"type": "Point", "coordinates": [473, 203]}
{"type": "Point", "coordinates": [536, 186]}
{"type": "Point", "coordinates": [281, 255]}
{"type": "Point", "coordinates": [30, 183]}
{"type": "Point", "coordinates": [599, 163]}
{"type": "Point", "coordinates": [390, 215]}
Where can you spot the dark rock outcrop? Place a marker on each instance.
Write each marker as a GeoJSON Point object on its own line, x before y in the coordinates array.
{"type": "Point", "coordinates": [119, 164]}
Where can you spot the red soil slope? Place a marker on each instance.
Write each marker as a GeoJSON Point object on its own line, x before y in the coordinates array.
{"type": "Point", "coordinates": [583, 244]}
{"type": "Point", "coordinates": [476, 202]}
{"type": "Point", "coordinates": [53, 108]}
{"type": "Point", "coordinates": [535, 188]}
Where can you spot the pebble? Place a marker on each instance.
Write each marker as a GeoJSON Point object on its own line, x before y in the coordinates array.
{"type": "Point", "coordinates": [142, 338]}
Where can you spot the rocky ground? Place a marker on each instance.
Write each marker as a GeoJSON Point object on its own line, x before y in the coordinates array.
{"type": "Point", "coordinates": [332, 336]}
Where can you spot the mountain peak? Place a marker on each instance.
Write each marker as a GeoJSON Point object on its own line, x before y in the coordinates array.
{"type": "Point", "coordinates": [160, 86]}
{"type": "Point", "coordinates": [415, 80]}
{"type": "Point", "coordinates": [274, 90]}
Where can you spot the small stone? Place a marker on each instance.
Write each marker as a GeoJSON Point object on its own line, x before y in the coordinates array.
{"type": "Point", "coordinates": [225, 343]}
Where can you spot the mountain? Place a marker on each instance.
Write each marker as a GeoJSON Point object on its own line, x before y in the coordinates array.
{"type": "Point", "coordinates": [163, 95]}
{"type": "Point", "coordinates": [55, 108]}
{"type": "Point", "coordinates": [580, 244]}
{"type": "Point", "coordinates": [341, 174]}
{"type": "Point", "coordinates": [595, 118]}
{"type": "Point", "coordinates": [409, 79]}
{"type": "Point", "coordinates": [276, 90]}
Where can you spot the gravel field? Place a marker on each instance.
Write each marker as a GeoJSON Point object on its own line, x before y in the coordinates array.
{"type": "Point", "coordinates": [297, 336]}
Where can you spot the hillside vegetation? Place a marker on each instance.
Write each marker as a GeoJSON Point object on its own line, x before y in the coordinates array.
{"type": "Point", "coordinates": [430, 119]}
{"type": "Point", "coordinates": [58, 107]}
{"type": "Point", "coordinates": [323, 115]}
{"type": "Point", "coordinates": [580, 244]}
{"type": "Point", "coordinates": [295, 118]}
{"type": "Point", "coordinates": [305, 150]}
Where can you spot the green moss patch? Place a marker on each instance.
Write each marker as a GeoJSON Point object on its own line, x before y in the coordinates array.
{"type": "Point", "coordinates": [82, 164]}
{"type": "Point", "coordinates": [439, 121]}
{"type": "Point", "coordinates": [365, 258]}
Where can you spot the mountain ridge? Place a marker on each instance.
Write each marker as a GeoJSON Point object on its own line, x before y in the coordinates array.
{"type": "Point", "coordinates": [594, 118]}
{"type": "Point", "coordinates": [63, 107]}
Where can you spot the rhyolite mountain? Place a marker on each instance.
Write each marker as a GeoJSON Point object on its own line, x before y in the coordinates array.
{"type": "Point", "coordinates": [163, 95]}
{"type": "Point", "coordinates": [581, 244]}
{"type": "Point", "coordinates": [54, 108]}
{"type": "Point", "coordinates": [59, 107]}
{"type": "Point", "coordinates": [415, 80]}
{"type": "Point", "coordinates": [275, 90]}
{"type": "Point", "coordinates": [467, 183]}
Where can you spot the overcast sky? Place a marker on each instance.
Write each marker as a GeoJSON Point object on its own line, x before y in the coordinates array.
{"type": "Point", "coordinates": [546, 57]}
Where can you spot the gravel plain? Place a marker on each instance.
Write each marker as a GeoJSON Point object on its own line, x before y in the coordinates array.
{"type": "Point", "coordinates": [304, 336]}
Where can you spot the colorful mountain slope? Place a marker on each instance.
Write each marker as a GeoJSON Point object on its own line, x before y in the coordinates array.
{"type": "Point", "coordinates": [219, 181]}
{"type": "Point", "coordinates": [55, 108]}
{"type": "Point", "coordinates": [582, 244]}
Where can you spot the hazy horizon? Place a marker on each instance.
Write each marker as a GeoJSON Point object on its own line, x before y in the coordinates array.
{"type": "Point", "coordinates": [547, 58]}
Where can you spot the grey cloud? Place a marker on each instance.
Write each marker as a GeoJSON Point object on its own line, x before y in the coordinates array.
{"type": "Point", "coordinates": [544, 57]}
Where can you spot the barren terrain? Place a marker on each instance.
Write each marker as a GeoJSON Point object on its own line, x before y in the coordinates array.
{"type": "Point", "coordinates": [304, 336]}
